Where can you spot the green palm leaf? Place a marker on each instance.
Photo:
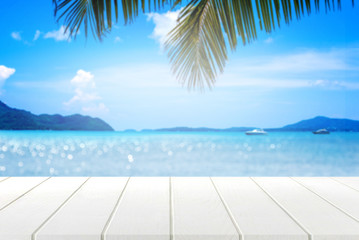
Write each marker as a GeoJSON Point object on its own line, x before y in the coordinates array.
{"type": "Point", "coordinates": [97, 14]}
{"type": "Point", "coordinates": [197, 46]}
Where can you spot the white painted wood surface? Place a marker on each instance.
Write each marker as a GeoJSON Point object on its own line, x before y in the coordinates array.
{"type": "Point", "coordinates": [3, 178]}
{"type": "Point", "coordinates": [258, 216]}
{"type": "Point", "coordinates": [318, 217]}
{"type": "Point", "coordinates": [143, 212]}
{"type": "Point", "coordinates": [352, 182]}
{"type": "Point", "coordinates": [198, 212]}
{"type": "Point", "coordinates": [14, 188]}
{"type": "Point", "coordinates": [20, 220]}
{"type": "Point", "coordinates": [87, 213]}
{"type": "Point", "coordinates": [163, 208]}
{"type": "Point", "coordinates": [339, 195]}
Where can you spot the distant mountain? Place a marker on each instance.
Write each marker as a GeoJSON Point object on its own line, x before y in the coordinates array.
{"type": "Point", "coordinates": [202, 129]}
{"type": "Point", "coordinates": [15, 119]}
{"type": "Point", "coordinates": [187, 129]}
{"type": "Point", "coordinates": [331, 124]}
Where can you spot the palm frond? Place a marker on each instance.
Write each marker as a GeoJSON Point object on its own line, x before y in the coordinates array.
{"type": "Point", "coordinates": [200, 46]}
{"type": "Point", "coordinates": [197, 46]}
{"type": "Point", "coordinates": [97, 14]}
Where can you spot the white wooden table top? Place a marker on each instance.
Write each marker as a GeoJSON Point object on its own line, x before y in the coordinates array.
{"type": "Point", "coordinates": [179, 208]}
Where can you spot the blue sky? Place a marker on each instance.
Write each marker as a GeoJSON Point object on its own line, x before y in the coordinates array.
{"type": "Point", "coordinates": [308, 69]}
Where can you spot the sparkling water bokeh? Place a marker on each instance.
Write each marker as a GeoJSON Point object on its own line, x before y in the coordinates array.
{"type": "Point", "coordinates": [52, 153]}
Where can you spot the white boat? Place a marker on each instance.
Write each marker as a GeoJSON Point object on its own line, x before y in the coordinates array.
{"type": "Point", "coordinates": [256, 132]}
{"type": "Point", "coordinates": [321, 131]}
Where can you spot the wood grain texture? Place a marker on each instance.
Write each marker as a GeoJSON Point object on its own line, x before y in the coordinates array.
{"type": "Point", "coordinates": [179, 208]}
{"type": "Point", "coordinates": [257, 215]}
{"type": "Point", "coordinates": [198, 212]}
{"type": "Point", "coordinates": [321, 219]}
{"type": "Point", "coordinates": [16, 187]}
{"type": "Point", "coordinates": [3, 178]}
{"type": "Point", "coordinates": [86, 213]}
{"type": "Point", "coordinates": [352, 182]}
{"type": "Point", "coordinates": [20, 219]}
{"type": "Point", "coordinates": [341, 196]}
{"type": "Point", "coordinates": [144, 211]}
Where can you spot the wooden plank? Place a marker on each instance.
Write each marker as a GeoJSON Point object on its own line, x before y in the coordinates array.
{"type": "Point", "coordinates": [256, 214]}
{"type": "Point", "coordinates": [318, 217]}
{"type": "Point", "coordinates": [16, 187]}
{"type": "Point", "coordinates": [86, 213]}
{"type": "Point", "coordinates": [352, 182]}
{"type": "Point", "coordinates": [144, 211]}
{"type": "Point", "coordinates": [20, 219]}
{"type": "Point", "coordinates": [3, 178]}
{"type": "Point", "coordinates": [336, 193]}
{"type": "Point", "coordinates": [198, 212]}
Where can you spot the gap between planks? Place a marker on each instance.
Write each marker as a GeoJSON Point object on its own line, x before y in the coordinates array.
{"type": "Point", "coordinates": [20, 196]}
{"type": "Point", "coordinates": [108, 222]}
{"type": "Point", "coordinates": [234, 222]}
{"type": "Point", "coordinates": [172, 210]}
{"type": "Point", "coordinates": [325, 199]}
{"type": "Point", "coordinates": [310, 237]}
{"type": "Point", "coordinates": [33, 236]}
{"type": "Point", "coordinates": [1, 180]}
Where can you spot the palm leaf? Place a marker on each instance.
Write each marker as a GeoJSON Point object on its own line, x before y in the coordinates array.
{"type": "Point", "coordinates": [200, 45]}
{"type": "Point", "coordinates": [97, 14]}
{"type": "Point", "coordinates": [197, 46]}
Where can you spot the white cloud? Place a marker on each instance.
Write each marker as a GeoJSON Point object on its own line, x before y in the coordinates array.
{"type": "Point", "coordinates": [301, 62]}
{"type": "Point", "coordinates": [269, 40]}
{"type": "Point", "coordinates": [117, 39]}
{"type": "Point", "coordinates": [158, 76]}
{"type": "Point", "coordinates": [331, 66]}
{"type": "Point", "coordinates": [99, 108]}
{"type": "Point", "coordinates": [142, 76]}
{"type": "Point", "coordinates": [164, 23]}
{"type": "Point", "coordinates": [81, 96]}
{"type": "Point", "coordinates": [85, 93]}
{"type": "Point", "coordinates": [59, 35]}
{"type": "Point", "coordinates": [84, 88]}
{"type": "Point", "coordinates": [83, 79]}
{"type": "Point", "coordinates": [16, 36]}
{"type": "Point", "coordinates": [5, 72]}
{"type": "Point", "coordinates": [264, 82]}
{"type": "Point", "coordinates": [290, 83]}
{"type": "Point", "coordinates": [308, 69]}
{"type": "Point", "coordinates": [334, 85]}
{"type": "Point", "coordinates": [321, 83]}
{"type": "Point", "coordinates": [37, 35]}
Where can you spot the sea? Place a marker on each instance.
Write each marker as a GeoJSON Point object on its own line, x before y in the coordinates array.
{"type": "Point", "coordinates": [73, 153]}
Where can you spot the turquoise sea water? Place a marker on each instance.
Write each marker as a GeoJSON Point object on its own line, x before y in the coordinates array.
{"type": "Point", "coordinates": [47, 153]}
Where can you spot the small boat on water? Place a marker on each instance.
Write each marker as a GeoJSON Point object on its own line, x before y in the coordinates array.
{"type": "Point", "coordinates": [321, 131]}
{"type": "Point", "coordinates": [256, 132]}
